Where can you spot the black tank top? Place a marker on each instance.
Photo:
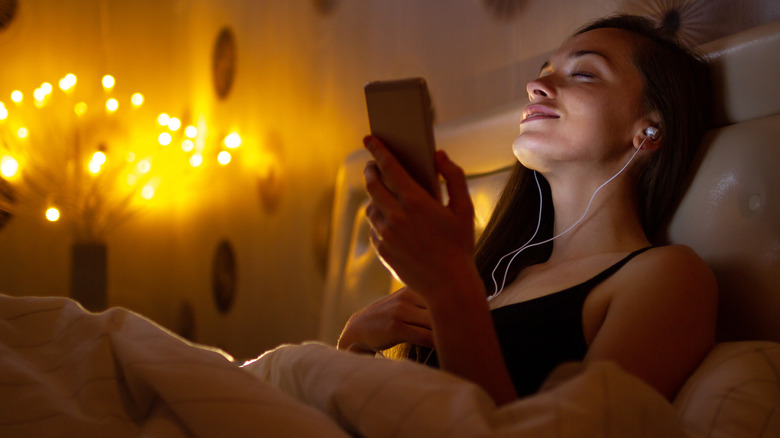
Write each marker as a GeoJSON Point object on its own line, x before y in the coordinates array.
{"type": "Point", "coordinates": [540, 334]}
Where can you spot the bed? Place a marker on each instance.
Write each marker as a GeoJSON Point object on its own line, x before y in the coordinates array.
{"type": "Point", "coordinates": [68, 372]}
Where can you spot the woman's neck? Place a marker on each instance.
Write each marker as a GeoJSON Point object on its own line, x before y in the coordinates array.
{"type": "Point", "coordinates": [612, 223]}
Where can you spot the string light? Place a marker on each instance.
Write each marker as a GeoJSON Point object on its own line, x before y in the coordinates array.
{"type": "Point", "coordinates": [17, 96]}
{"type": "Point", "coordinates": [147, 192]}
{"type": "Point", "coordinates": [22, 132]}
{"type": "Point", "coordinates": [80, 108]}
{"type": "Point", "coordinates": [9, 167]}
{"type": "Point", "coordinates": [144, 166]}
{"type": "Point", "coordinates": [108, 82]}
{"type": "Point", "coordinates": [187, 145]}
{"type": "Point", "coordinates": [191, 131]}
{"type": "Point", "coordinates": [163, 119]}
{"type": "Point", "coordinates": [174, 124]}
{"type": "Point", "coordinates": [52, 214]}
{"type": "Point", "coordinates": [223, 157]}
{"type": "Point", "coordinates": [232, 141]}
{"type": "Point", "coordinates": [46, 87]}
{"type": "Point", "coordinates": [112, 105]}
{"type": "Point", "coordinates": [164, 139]}
{"type": "Point", "coordinates": [196, 160]}
{"type": "Point", "coordinates": [3, 111]}
{"type": "Point", "coordinates": [68, 82]}
{"type": "Point", "coordinates": [137, 99]}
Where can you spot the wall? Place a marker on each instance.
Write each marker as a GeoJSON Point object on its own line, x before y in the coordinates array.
{"type": "Point", "coordinates": [297, 103]}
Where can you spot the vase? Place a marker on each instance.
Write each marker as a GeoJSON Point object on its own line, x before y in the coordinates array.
{"type": "Point", "coordinates": [89, 276]}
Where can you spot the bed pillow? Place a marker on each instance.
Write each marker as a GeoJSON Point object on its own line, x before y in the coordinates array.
{"type": "Point", "coordinates": [735, 392]}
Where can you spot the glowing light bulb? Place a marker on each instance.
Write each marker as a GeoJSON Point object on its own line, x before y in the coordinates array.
{"type": "Point", "coordinates": [130, 157]}
{"type": "Point", "coordinates": [94, 167]}
{"type": "Point", "coordinates": [112, 105]}
{"type": "Point", "coordinates": [164, 139]}
{"type": "Point", "coordinates": [68, 82]}
{"type": "Point", "coordinates": [108, 82]}
{"type": "Point", "coordinates": [223, 157]}
{"type": "Point", "coordinates": [137, 99]}
{"type": "Point", "coordinates": [147, 192]}
{"type": "Point", "coordinates": [191, 131]}
{"type": "Point", "coordinates": [39, 94]}
{"type": "Point", "coordinates": [163, 119]}
{"type": "Point", "coordinates": [196, 160]}
{"type": "Point", "coordinates": [233, 140]}
{"type": "Point", "coordinates": [46, 87]}
{"type": "Point", "coordinates": [144, 166]}
{"type": "Point", "coordinates": [99, 157]}
{"type": "Point", "coordinates": [9, 167]}
{"type": "Point", "coordinates": [174, 124]}
{"type": "Point", "coordinates": [22, 132]}
{"type": "Point", "coordinates": [17, 96]}
{"type": "Point", "coordinates": [80, 108]}
{"type": "Point", "coordinates": [3, 112]}
{"type": "Point", "coordinates": [187, 145]}
{"type": "Point", "coordinates": [52, 214]}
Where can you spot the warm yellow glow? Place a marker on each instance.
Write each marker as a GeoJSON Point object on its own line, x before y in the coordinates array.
{"type": "Point", "coordinates": [99, 157]}
{"type": "Point", "coordinates": [46, 87]}
{"type": "Point", "coordinates": [144, 166]}
{"type": "Point", "coordinates": [52, 214]}
{"type": "Point", "coordinates": [22, 132]}
{"type": "Point", "coordinates": [68, 82]}
{"type": "Point", "coordinates": [196, 160]}
{"type": "Point", "coordinates": [187, 145]}
{"type": "Point", "coordinates": [17, 96]}
{"type": "Point", "coordinates": [223, 157]}
{"type": "Point", "coordinates": [94, 167]}
{"type": "Point", "coordinates": [80, 108]}
{"type": "Point", "coordinates": [130, 157]}
{"type": "Point", "coordinates": [39, 94]}
{"type": "Point", "coordinates": [112, 105]}
{"type": "Point", "coordinates": [137, 99]}
{"type": "Point", "coordinates": [233, 140]}
{"type": "Point", "coordinates": [3, 112]}
{"type": "Point", "coordinates": [108, 82]}
{"type": "Point", "coordinates": [174, 124]}
{"type": "Point", "coordinates": [164, 139]}
{"type": "Point", "coordinates": [9, 167]}
{"type": "Point", "coordinates": [132, 179]}
{"type": "Point", "coordinates": [163, 119]}
{"type": "Point", "coordinates": [191, 131]}
{"type": "Point", "coordinates": [147, 192]}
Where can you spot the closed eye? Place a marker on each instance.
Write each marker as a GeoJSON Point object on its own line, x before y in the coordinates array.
{"type": "Point", "coordinates": [582, 74]}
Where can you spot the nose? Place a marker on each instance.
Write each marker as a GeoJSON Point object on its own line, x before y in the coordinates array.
{"type": "Point", "coordinates": [540, 87]}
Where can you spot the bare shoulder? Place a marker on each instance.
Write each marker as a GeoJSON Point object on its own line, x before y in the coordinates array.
{"type": "Point", "coordinates": [673, 268]}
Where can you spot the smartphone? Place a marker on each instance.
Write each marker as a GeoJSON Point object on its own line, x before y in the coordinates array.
{"type": "Point", "coordinates": [401, 116]}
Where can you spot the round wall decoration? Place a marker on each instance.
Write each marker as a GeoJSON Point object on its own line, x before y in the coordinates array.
{"type": "Point", "coordinates": [223, 276]}
{"type": "Point", "coordinates": [223, 63]}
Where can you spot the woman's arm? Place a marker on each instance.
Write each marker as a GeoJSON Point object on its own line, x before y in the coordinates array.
{"type": "Point", "coordinates": [430, 247]}
{"type": "Point", "coordinates": [661, 319]}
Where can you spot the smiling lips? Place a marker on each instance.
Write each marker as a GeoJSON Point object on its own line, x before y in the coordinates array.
{"type": "Point", "coordinates": [538, 112]}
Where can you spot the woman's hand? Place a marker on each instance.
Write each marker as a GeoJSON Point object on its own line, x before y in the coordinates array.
{"type": "Point", "coordinates": [423, 241]}
{"type": "Point", "coordinates": [399, 317]}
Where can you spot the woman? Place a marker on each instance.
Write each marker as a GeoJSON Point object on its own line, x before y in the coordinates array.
{"type": "Point", "coordinates": [610, 131]}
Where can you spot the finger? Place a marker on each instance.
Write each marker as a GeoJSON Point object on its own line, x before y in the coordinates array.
{"type": "Point", "coordinates": [395, 176]}
{"type": "Point", "coordinates": [381, 196]}
{"type": "Point", "coordinates": [457, 188]}
{"type": "Point", "coordinates": [420, 336]}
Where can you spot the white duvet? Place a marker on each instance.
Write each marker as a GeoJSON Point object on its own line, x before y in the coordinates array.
{"type": "Point", "coordinates": [66, 372]}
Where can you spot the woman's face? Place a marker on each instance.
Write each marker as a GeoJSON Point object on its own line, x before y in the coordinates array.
{"type": "Point", "coordinates": [585, 107]}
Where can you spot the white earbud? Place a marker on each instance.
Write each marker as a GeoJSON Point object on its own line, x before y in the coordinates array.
{"type": "Point", "coordinates": [652, 132]}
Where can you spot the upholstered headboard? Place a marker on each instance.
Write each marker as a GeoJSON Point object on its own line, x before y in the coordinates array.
{"type": "Point", "coordinates": [730, 214]}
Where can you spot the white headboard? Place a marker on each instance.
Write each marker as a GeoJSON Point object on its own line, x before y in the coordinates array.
{"type": "Point", "coordinates": [730, 214]}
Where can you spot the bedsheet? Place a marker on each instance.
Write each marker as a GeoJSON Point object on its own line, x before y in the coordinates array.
{"type": "Point", "coordinates": [67, 372]}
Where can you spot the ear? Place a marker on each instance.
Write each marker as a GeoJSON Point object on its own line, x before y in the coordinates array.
{"type": "Point", "coordinates": [650, 144]}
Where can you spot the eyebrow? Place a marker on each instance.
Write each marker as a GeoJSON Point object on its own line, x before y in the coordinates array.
{"type": "Point", "coordinates": [578, 54]}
